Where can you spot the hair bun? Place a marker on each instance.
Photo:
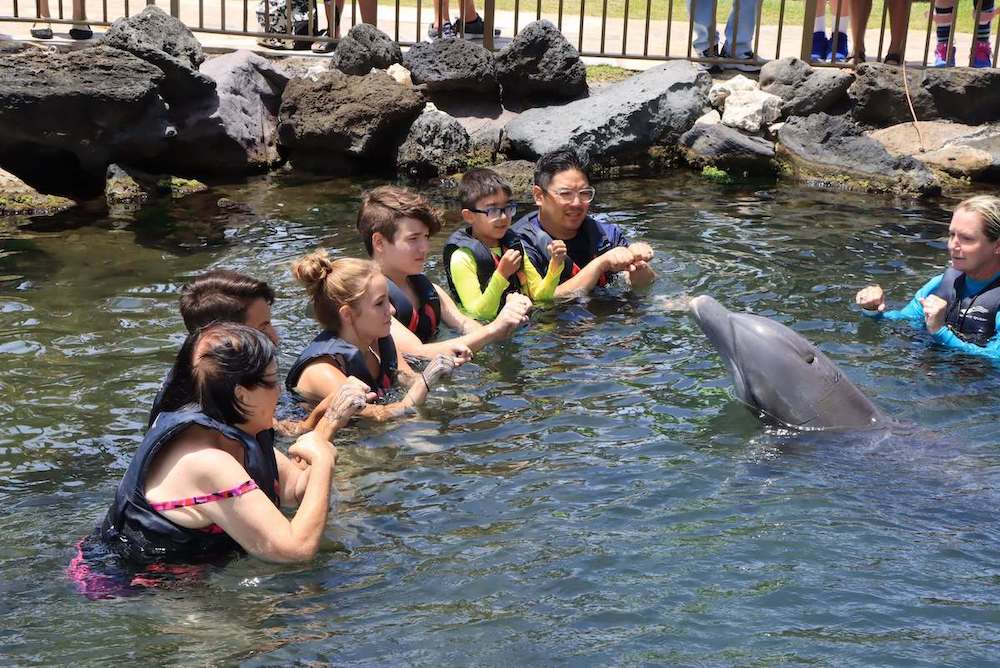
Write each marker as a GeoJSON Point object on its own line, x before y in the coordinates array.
{"type": "Point", "coordinates": [311, 271]}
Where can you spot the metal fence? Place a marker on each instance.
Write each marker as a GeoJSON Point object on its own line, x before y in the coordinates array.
{"type": "Point", "coordinates": [631, 29]}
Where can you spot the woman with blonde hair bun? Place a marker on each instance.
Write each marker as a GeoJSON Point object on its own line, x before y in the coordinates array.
{"type": "Point", "coordinates": [961, 307]}
{"type": "Point", "coordinates": [350, 300]}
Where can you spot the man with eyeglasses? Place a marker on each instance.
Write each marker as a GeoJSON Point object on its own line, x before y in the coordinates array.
{"type": "Point", "coordinates": [595, 249]}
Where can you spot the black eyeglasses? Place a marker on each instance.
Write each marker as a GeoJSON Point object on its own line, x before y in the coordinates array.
{"type": "Point", "coordinates": [494, 212]}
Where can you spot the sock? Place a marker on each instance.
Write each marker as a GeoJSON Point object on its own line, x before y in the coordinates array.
{"type": "Point", "coordinates": [820, 25]}
{"type": "Point", "coordinates": [943, 30]}
{"type": "Point", "coordinates": [983, 29]}
{"type": "Point", "coordinates": [844, 22]}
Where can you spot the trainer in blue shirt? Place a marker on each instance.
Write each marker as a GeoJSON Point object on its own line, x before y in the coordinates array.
{"type": "Point", "coordinates": [961, 307]}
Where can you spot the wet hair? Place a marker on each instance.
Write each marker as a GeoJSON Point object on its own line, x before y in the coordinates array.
{"type": "Point", "coordinates": [333, 283]}
{"type": "Point", "coordinates": [988, 208]}
{"type": "Point", "coordinates": [212, 362]}
{"type": "Point", "coordinates": [382, 207]}
{"type": "Point", "coordinates": [479, 183]}
{"type": "Point", "coordinates": [220, 295]}
{"type": "Point", "coordinates": [554, 162]}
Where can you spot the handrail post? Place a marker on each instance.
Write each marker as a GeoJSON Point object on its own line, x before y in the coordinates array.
{"type": "Point", "coordinates": [175, 8]}
{"type": "Point", "coordinates": [808, 21]}
{"type": "Point", "coordinates": [489, 9]}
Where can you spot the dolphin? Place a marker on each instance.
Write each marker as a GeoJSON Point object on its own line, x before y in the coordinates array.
{"type": "Point", "coordinates": [780, 375]}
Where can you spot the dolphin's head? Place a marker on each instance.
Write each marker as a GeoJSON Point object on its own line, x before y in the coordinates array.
{"type": "Point", "coordinates": [779, 374]}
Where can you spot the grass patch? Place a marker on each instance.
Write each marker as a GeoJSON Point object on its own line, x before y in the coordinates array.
{"type": "Point", "coordinates": [607, 73]}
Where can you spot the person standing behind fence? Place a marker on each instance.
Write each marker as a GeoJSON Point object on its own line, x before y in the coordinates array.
{"type": "Point", "coordinates": [944, 13]}
{"type": "Point", "coordinates": [334, 9]}
{"type": "Point", "coordinates": [832, 48]}
{"type": "Point", "coordinates": [80, 29]}
{"type": "Point", "coordinates": [898, 17]}
{"type": "Point", "coordinates": [744, 14]}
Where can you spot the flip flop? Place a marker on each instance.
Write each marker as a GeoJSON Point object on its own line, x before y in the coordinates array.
{"type": "Point", "coordinates": [42, 33]}
{"type": "Point", "coordinates": [323, 47]}
{"type": "Point", "coordinates": [81, 33]}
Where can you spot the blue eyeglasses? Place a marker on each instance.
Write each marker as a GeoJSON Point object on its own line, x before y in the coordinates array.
{"type": "Point", "coordinates": [494, 212]}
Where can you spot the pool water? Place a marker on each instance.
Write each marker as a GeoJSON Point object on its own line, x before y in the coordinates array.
{"type": "Point", "coordinates": [587, 493]}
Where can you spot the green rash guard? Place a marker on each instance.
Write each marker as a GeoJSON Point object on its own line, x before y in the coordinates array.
{"type": "Point", "coordinates": [485, 304]}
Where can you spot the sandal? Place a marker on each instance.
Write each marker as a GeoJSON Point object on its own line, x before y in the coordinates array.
{"type": "Point", "coordinates": [81, 33]}
{"type": "Point", "coordinates": [41, 33]}
{"type": "Point", "coordinates": [272, 43]}
{"type": "Point", "coordinates": [892, 59]}
{"type": "Point", "coordinates": [323, 47]}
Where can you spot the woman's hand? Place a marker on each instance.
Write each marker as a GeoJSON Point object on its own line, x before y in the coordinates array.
{"type": "Point", "coordinates": [314, 450]}
{"type": "Point", "coordinates": [871, 298]}
{"type": "Point", "coordinates": [439, 367]}
{"type": "Point", "coordinates": [347, 402]}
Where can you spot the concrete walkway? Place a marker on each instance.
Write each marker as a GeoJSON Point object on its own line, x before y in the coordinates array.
{"type": "Point", "coordinates": [240, 15]}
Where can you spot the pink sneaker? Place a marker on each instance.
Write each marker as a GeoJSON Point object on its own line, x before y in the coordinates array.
{"type": "Point", "coordinates": [981, 56]}
{"type": "Point", "coordinates": [941, 56]}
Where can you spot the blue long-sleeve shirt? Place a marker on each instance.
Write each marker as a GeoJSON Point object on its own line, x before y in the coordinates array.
{"type": "Point", "coordinates": [914, 311]}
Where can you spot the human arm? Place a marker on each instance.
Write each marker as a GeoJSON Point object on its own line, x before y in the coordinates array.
{"type": "Point", "coordinates": [617, 259]}
{"type": "Point", "coordinates": [482, 304]}
{"type": "Point", "coordinates": [250, 518]}
{"type": "Point", "coordinates": [322, 378]}
{"type": "Point", "coordinates": [872, 302]}
{"type": "Point", "coordinates": [949, 339]}
{"type": "Point", "coordinates": [293, 476]}
{"type": "Point", "coordinates": [544, 289]}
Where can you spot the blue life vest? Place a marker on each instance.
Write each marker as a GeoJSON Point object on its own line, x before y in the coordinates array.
{"type": "Point", "coordinates": [600, 236]}
{"type": "Point", "coordinates": [486, 261]}
{"type": "Point", "coordinates": [423, 320]}
{"type": "Point", "coordinates": [349, 360]}
{"type": "Point", "coordinates": [972, 318]}
{"type": "Point", "coordinates": [136, 532]}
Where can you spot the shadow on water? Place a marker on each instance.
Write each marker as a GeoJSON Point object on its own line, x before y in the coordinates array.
{"type": "Point", "coordinates": [586, 493]}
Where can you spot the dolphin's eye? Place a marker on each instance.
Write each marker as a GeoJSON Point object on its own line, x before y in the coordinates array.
{"type": "Point", "coordinates": [810, 358]}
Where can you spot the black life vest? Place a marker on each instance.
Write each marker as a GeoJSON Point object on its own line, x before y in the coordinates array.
{"type": "Point", "coordinates": [972, 318]}
{"type": "Point", "coordinates": [601, 237]}
{"type": "Point", "coordinates": [265, 438]}
{"type": "Point", "coordinates": [486, 261]}
{"type": "Point", "coordinates": [423, 320]}
{"type": "Point", "coordinates": [136, 532]}
{"type": "Point", "coordinates": [349, 360]}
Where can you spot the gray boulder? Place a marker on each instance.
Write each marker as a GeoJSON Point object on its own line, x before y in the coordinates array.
{"type": "Point", "coordinates": [965, 94]}
{"type": "Point", "coordinates": [540, 64]}
{"type": "Point", "coordinates": [803, 89]}
{"type": "Point", "coordinates": [17, 198]}
{"type": "Point", "coordinates": [65, 117]}
{"type": "Point", "coordinates": [363, 48]}
{"type": "Point", "coordinates": [621, 121]}
{"type": "Point", "coordinates": [234, 131]}
{"type": "Point", "coordinates": [436, 145]}
{"type": "Point", "coordinates": [164, 41]}
{"type": "Point", "coordinates": [453, 66]}
{"type": "Point", "coordinates": [879, 97]}
{"type": "Point", "coordinates": [831, 150]}
{"type": "Point", "coordinates": [340, 122]}
{"type": "Point", "coordinates": [728, 149]}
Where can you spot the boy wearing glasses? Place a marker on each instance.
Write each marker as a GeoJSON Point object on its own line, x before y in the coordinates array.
{"type": "Point", "coordinates": [596, 249]}
{"type": "Point", "coordinates": [396, 225]}
{"type": "Point", "coordinates": [484, 259]}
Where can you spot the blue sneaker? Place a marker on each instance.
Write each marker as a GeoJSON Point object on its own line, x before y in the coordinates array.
{"type": "Point", "coordinates": [841, 53]}
{"type": "Point", "coordinates": [939, 56]}
{"type": "Point", "coordinates": [821, 47]}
